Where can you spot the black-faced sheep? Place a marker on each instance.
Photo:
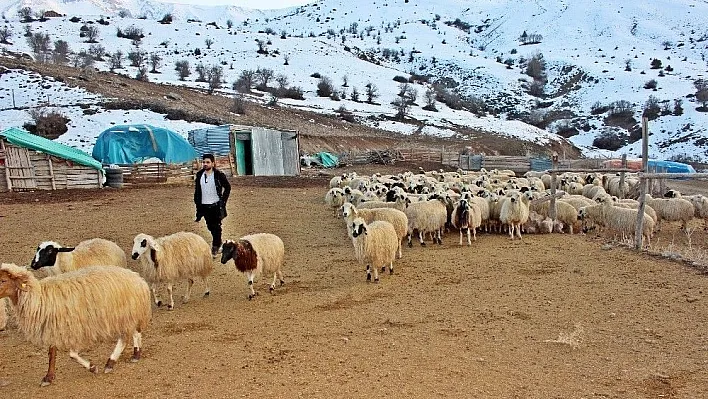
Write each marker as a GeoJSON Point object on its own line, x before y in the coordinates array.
{"type": "Point", "coordinates": [173, 258]}
{"type": "Point", "coordinates": [76, 310]}
{"type": "Point", "coordinates": [398, 219]}
{"type": "Point", "coordinates": [256, 254]}
{"type": "Point", "coordinates": [94, 252]}
{"type": "Point", "coordinates": [514, 212]}
{"type": "Point", "coordinates": [335, 198]}
{"type": "Point", "coordinates": [375, 245]}
{"type": "Point", "coordinates": [467, 216]}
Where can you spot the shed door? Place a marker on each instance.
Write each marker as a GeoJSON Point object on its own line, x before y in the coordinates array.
{"type": "Point", "coordinates": [267, 147]}
{"type": "Point", "coordinates": [19, 168]}
{"type": "Point", "coordinates": [291, 156]}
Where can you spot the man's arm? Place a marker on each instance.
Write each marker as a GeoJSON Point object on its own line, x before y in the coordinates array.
{"type": "Point", "coordinates": [226, 186]}
{"type": "Point", "coordinates": [197, 189]}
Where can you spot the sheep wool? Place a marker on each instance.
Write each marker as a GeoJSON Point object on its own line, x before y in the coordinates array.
{"type": "Point", "coordinates": [254, 255]}
{"type": "Point", "coordinates": [514, 212]}
{"type": "Point", "coordinates": [375, 245]}
{"type": "Point", "coordinates": [77, 310]}
{"type": "Point", "coordinates": [173, 258]}
{"type": "Point", "coordinates": [3, 313]}
{"type": "Point", "coordinates": [398, 219]}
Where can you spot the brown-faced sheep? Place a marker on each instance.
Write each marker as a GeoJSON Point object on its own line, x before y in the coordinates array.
{"type": "Point", "coordinates": [173, 258]}
{"type": "Point", "coordinates": [254, 255]}
{"type": "Point", "coordinates": [375, 245]}
{"type": "Point", "coordinates": [398, 219]}
{"type": "Point", "coordinates": [94, 252]}
{"type": "Point", "coordinates": [77, 310]}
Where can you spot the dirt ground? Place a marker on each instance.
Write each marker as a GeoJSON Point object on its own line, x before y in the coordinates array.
{"type": "Point", "coordinates": [552, 316]}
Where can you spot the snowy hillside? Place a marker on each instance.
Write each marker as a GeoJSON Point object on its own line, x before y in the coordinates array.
{"type": "Point", "coordinates": [470, 48]}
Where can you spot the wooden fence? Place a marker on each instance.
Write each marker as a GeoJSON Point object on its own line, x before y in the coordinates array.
{"type": "Point", "coordinates": [151, 173]}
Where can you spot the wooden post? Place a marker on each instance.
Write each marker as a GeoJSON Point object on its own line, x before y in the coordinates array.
{"type": "Point", "coordinates": [552, 206]}
{"type": "Point", "coordinates": [7, 165]}
{"type": "Point", "coordinates": [642, 186]}
{"type": "Point", "coordinates": [624, 166]}
{"type": "Point", "coordinates": [51, 172]}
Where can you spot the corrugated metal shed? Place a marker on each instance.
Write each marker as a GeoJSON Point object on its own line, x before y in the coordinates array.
{"type": "Point", "coordinates": [256, 150]}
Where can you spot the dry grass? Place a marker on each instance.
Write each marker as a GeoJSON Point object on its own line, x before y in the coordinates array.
{"type": "Point", "coordinates": [573, 339]}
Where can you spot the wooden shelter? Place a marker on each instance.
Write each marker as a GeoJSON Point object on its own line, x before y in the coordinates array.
{"type": "Point", "coordinates": [30, 162]}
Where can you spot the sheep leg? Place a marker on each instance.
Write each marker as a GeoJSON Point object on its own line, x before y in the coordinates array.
{"type": "Point", "coordinates": [409, 236]}
{"type": "Point", "coordinates": [171, 305]}
{"type": "Point", "coordinates": [439, 233]}
{"type": "Point", "coordinates": [518, 230]}
{"type": "Point", "coordinates": [469, 241]}
{"type": "Point", "coordinates": [272, 286]}
{"type": "Point", "coordinates": [120, 345]}
{"type": "Point", "coordinates": [420, 238]}
{"type": "Point", "coordinates": [50, 371]}
{"type": "Point", "coordinates": [280, 276]}
{"type": "Point", "coordinates": [158, 301]}
{"type": "Point", "coordinates": [207, 288]}
{"type": "Point", "coordinates": [460, 236]}
{"type": "Point", "coordinates": [474, 234]}
{"type": "Point", "coordinates": [511, 232]}
{"type": "Point", "coordinates": [376, 274]}
{"type": "Point", "coordinates": [190, 283]}
{"type": "Point", "coordinates": [250, 285]}
{"type": "Point", "coordinates": [390, 268]}
{"type": "Point", "coordinates": [400, 251]}
{"type": "Point", "coordinates": [368, 273]}
{"type": "Point", "coordinates": [87, 364]}
{"type": "Point", "coordinates": [137, 344]}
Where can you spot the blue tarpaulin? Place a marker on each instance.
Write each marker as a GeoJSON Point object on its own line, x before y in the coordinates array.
{"type": "Point", "coordinates": [670, 167]}
{"type": "Point", "coordinates": [328, 160]}
{"type": "Point", "coordinates": [129, 144]}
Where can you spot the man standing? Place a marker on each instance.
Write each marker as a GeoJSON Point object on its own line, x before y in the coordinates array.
{"type": "Point", "coordinates": [211, 191]}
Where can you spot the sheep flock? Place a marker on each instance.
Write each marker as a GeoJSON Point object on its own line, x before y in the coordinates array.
{"type": "Point", "coordinates": [93, 296]}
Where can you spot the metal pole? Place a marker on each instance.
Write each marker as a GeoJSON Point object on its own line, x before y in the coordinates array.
{"type": "Point", "coordinates": [642, 185]}
{"type": "Point", "coordinates": [13, 99]}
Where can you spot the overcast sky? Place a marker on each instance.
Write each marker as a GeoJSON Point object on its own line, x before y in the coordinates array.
{"type": "Point", "coordinates": [260, 4]}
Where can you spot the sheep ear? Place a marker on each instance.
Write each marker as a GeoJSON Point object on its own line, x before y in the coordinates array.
{"type": "Point", "coordinates": [65, 249]}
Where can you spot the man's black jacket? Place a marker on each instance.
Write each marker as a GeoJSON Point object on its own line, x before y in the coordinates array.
{"type": "Point", "coordinates": [223, 189]}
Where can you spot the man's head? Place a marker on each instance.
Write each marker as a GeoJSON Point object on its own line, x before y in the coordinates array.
{"type": "Point", "coordinates": [208, 161]}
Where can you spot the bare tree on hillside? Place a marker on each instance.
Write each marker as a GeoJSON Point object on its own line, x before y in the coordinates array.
{"type": "Point", "coordinates": [208, 42]}
{"type": "Point", "coordinates": [182, 68]}
{"type": "Point", "coordinates": [115, 61]}
{"type": "Point", "coordinates": [155, 62]}
{"type": "Point", "coordinates": [263, 75]}
{"type": "Point", "coordinates": [215, 75]}
{"type": "Point", "coordinates": [5, 35]}
{"type": "Point", "coordinates": [371, 92]}
{"type": "Point", "coordinates": [91, 34]}
{"type": "Point", "coordinates": [61, 52]}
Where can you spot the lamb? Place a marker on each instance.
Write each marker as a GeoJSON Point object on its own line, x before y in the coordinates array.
{"type": "Point", "coordinates": [335, 198]}
{"type": "Point", "coordinates": [76, 310]}
{"type": "Point", "coordinates": [256, 254]}
{"type": "Point", "coordinates": [621, 220]}
{"type": "Point", "coordinates": [673, 209]}
{"type": "Point", "coordinates": [426, 217]}
{"type": "Point", "coordinates": [398, 219]}
{"type": "Point", "coordinates": [565, 212]}
{"type": "Point", "coordinates": [514, 212]}
{"type": "Point", "coordinates": [172, 258]}
{"type": "Point", "coordinates": [375, 245]}
{"type": "Point", "coordinates": [94, 252]}
{"type": "Point", "coordinates": [467, 215]}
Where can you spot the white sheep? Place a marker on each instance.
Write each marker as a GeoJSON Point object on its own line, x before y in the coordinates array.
{"type": "Point", "coordinates": [465, 216]}
{"type": "Point", "coordinates": [400, 203]}
{"type": "Point", "coordinates": [77, 310]}
{"type": "Point", "coordinates": [375, 245]}
{"type": "Point", "coordinates": [173, 258]}
{"type": "Point", "coordinates": [514, 212]}
{"type": "Point", "coordinates": [94, 252]}
{"type": "Point", "coordinates": [398, 219]}
{"type": "Point", "coordinates": [565, 212]}
{"type": "Point", "coordinates": [700, 206]}
{"type": "Point", "coordinates": [256, 254]}
{"type": "Point", "coordinates": [426, 217]}
{"type": "Point", "coordinates": [335, 198]}
{"type": "Point", "coordinates": [671, 209]}
{"type": "Point", "coordinates": [621, 220]}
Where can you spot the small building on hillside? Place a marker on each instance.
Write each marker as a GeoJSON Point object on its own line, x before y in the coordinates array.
{"type": "Point", "coordinates": [31, 162]}
{"type": "Point", "coordinates": [255, 150]}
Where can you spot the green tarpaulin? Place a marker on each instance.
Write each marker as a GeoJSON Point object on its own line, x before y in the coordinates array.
{"type": "Point", "coordinates": [328, 160]}
{"type": "Point", "coordinates": [25, 139]}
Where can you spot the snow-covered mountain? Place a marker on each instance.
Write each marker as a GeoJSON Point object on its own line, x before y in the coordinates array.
{"type": "Point", "coordinates": [596, 54]}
